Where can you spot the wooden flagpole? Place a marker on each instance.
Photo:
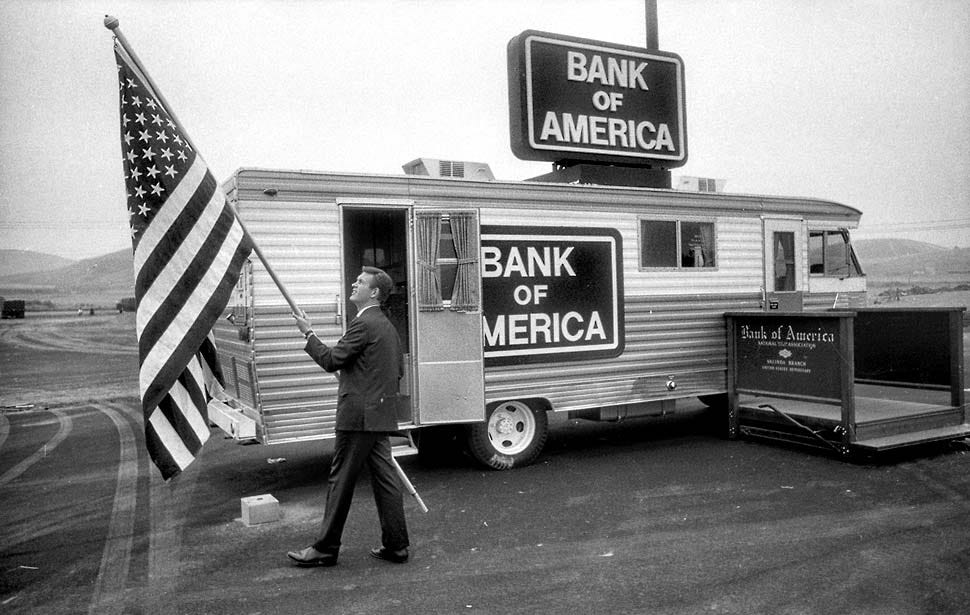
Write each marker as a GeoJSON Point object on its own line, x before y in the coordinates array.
{"type": "Point", "coordinates": [112, 24]}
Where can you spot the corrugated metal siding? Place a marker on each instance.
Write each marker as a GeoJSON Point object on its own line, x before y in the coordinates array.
{"type": "Point", "coordinates": [682, 338]}
{"type": "Point", "coordinates": [302, 241]}
{"type": "Point", "coordinates": [297, 399]}
{"type": "Point", "coordinates": [674, 318]}
{"type": "Point", "coordinates": [235, 356]}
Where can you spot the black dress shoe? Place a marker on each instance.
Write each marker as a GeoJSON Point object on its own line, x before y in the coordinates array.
{"type": "Point", "coordinates": [398, 557]}
{"type": "Point", "coordinates": [311, 557]}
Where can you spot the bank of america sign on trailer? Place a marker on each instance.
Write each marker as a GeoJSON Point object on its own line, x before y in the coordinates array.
{"type": "Point", "coordinates": [551, 293]}
{"type": "Point", "coordinates": [585, 100]}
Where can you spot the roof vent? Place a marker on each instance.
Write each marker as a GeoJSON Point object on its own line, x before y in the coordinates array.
{"type": "Point", "coordinates": [433, 167]}
{"type": "Point", "coordinates": [701, 184]}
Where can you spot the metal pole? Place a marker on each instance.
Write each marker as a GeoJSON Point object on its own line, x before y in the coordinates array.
{"type": "Point", "coordinates": [112, 24]}
{"type": "Point", "coordinates": [653, 38]}
{"type": "Point", "coordinates": [407, 484]}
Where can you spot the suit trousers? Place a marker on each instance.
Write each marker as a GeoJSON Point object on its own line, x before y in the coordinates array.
{"type": "Point", "coordinates": [353, 450]}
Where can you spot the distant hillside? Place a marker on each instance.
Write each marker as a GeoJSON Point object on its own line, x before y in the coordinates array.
{"type": "Point", "coordinates": [913, 262]}
{"type": "Point", "coordinates": [872, 250]}
{"type": "Point", "coordinates": [26, 261]}
{"type": "Point", "coordinates": [110, 273]}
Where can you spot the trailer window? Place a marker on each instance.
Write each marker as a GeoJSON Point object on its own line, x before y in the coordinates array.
{"type": "Point", "coordinates": [447, 261]}
{"type": "Point", "coordinates": [829, 253]}
{"type": "Point", "coordinates": [683, 244]}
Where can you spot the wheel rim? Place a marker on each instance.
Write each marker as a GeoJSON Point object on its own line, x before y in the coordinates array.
{"type": "Point", "coordinates": [511, 428]}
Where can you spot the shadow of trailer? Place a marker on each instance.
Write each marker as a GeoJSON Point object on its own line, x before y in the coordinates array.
{"type": "Point", "coordinates": [859, 382]}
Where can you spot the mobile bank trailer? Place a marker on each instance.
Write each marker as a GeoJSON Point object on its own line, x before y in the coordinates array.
{"type": "Point", "coordinates": [514, 299]}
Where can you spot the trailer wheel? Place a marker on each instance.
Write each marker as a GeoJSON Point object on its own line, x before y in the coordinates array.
{"type": "Point", "coordinates": [513, 434]}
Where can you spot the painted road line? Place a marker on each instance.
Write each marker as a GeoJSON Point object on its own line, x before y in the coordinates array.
{"type": "Point", "coordinates": [109, 588]}
{"type": "Point", "coordinates": [64, 428]}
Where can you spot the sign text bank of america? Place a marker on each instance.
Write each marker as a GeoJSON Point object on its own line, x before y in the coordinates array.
{"type": "Point", "coordinates": [580, 99]}
{"type": "Point", "coordinates": [551, 292]}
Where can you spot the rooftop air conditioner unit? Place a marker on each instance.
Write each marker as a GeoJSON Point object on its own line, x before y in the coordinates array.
{"type": "Point", "coordinates": [701, 184]}
{"type": "Point", "coordinates": [433, 167]}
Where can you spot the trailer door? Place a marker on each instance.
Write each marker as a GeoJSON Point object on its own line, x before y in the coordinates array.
{"type": "Point", "coordinates": [377, 234]}
{"type": "Point", "coordinates": [784, 259]}
{"type": "Point", "coordinates": [447, 308]}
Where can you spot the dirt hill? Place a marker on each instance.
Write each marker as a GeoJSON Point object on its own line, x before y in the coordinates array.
{"type": "Point", "coordinates": [914, 262]}
{"type": "Point", "coordinates": [100, 281]}
{"type": "Point", "coordinates": [13, 262]}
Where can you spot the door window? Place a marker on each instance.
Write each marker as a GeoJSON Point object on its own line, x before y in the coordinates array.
{"type": "Point", "coordinates": [784, 260]}
{"type": "Point", "coordinates": [448, 261]}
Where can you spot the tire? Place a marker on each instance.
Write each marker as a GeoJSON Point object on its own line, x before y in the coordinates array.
{"type": "Point", "coordinates": [512, 435]}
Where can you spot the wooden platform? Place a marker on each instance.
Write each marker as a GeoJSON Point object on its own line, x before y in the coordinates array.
{"type": "Point", "coordinates": [886, 418]}
{"type": "Point", "coordinates": [869, 379]}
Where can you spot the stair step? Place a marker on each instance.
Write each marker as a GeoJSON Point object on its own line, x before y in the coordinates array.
{"type": "Point", "coordinates": [884, 443]}
{"type": "Point", "coordinates": [405, 447]}
{"type": "Point", "coordinates": [403, 450]}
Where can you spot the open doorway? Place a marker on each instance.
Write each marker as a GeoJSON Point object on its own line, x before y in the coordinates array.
{"type": "Point", "coordinates": [378, 237]}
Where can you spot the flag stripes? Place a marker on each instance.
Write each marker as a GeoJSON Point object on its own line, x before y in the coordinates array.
{"type": "Point", "coordinates": [177, 343]}
{"type": "Point", "coordinates": [189, 248]}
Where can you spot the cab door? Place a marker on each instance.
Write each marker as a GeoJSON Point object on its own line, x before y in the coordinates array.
{"type": "Point", "coordinates": [784, 261]}
{"type": "Point", "coordinates": [447, 311]}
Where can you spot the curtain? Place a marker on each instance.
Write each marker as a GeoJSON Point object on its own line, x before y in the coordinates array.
{"type": "Point", "coordinates": [464, 229]}
{"type": "Point", "coordinates": [707, 236]}
{"type": "Point", "coordinates": [428, 228]}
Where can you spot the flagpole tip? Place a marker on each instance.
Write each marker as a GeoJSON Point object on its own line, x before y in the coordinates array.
{"type": "Point", "coordinates": [110, 22]}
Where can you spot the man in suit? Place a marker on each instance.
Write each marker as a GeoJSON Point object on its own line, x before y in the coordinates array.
{"type": "Point", "coordinates": [369, 360]}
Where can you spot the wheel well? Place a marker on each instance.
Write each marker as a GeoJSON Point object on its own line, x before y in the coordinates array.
{"type": "Point", "coordinates": [537, 404]}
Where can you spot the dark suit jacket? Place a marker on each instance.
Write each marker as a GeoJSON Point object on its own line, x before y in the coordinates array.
{"type": "Point", "coordinates": [369, 359]}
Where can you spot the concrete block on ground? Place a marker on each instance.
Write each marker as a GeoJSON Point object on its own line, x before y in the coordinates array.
{"type": "Point", "coordinates": [258, 509]}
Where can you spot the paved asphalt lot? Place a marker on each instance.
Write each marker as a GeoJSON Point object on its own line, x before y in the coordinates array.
{"type": "Point", "coordinates": [645, 516]}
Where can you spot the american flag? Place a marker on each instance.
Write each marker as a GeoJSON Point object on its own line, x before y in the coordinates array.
{"type": "Point", "coordinates": [188, 251]}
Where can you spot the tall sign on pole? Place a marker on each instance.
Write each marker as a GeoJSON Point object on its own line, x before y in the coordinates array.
{"type": "Point", "coordinates": [575, 101]}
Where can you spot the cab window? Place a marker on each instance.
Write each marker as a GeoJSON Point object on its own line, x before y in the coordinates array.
{"type": "Point", "coordinates": [830, 254]}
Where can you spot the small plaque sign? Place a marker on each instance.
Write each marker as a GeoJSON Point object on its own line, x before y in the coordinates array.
{"type": "Point", "coordinates": [789, 354]}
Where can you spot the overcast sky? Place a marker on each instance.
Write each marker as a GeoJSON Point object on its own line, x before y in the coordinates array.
{"type": "Point", "coordinates": [863, 102]}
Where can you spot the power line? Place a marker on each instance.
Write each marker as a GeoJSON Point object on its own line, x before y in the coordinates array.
{"type": "Point", "coordinates": [955, 223]}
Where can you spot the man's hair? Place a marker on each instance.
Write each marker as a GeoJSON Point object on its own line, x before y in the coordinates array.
{"type": "Point", "coordinates": [382, 282]}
